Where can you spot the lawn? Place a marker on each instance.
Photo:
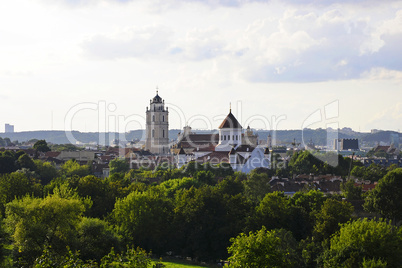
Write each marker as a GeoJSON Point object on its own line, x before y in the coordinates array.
{"type": "Point", "coordinates": [181, 264]}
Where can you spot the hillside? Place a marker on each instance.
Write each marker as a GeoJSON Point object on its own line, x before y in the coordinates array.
{"type": "Point", "coordinates": [317, 136]}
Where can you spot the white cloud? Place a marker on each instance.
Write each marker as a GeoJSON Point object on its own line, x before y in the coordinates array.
{"type": "Point", "coordinates": [382, 74]}
{"type": "Point", "coordinates": [145, 42]}
{"type": "Point", "coordinates": [388, 117]}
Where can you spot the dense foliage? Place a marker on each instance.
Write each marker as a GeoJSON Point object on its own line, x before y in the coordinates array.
{"type": "Point", "coordinates": [65, 216]}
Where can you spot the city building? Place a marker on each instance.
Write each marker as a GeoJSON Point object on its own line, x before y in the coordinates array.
{"type": "Point", "coordinates": [394, 138]}
{"type": "Point", "coordinates": [229, 145]}
{"type": "Point", "coordinates": [8, 128]}
{"type": "Point", "coordinates": [157, 126]}
{"type": "Point", "coordinates": [346, 144]}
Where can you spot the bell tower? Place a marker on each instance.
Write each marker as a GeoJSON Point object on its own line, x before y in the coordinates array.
{"type": "Point", "coordinates": [157, 126]}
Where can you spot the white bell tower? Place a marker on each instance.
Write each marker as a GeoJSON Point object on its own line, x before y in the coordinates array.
{"type": "Point", "coordinates": [157, 126]}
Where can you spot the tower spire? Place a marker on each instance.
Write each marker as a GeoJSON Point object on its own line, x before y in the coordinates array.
{"type": "Point", "coordinates": [230, 107]}
{"type": "Point", "coordinates": [157, 90]}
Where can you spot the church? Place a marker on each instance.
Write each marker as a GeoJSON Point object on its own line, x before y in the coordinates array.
{"type": "Point", "coordinates": [229, 145]}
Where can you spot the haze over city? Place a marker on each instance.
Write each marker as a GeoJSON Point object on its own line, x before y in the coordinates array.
{"type": "Point", "coordinates": [266, 58]}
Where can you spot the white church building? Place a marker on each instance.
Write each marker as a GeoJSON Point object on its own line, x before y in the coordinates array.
{"type": "Point", "coordinates": [230, 145]}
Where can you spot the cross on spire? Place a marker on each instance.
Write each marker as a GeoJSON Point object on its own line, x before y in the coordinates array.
{"type": "Point", "coordinates": [230, 107]}
{"type": "Point", "coordinates": [157, 90]}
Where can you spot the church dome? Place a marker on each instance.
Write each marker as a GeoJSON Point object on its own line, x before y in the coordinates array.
{"type": "Point", "coordinates": [230, 122]}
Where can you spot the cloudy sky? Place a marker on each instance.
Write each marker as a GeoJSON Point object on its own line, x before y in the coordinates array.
{"type": "Point", "coordinates": [93, 65]}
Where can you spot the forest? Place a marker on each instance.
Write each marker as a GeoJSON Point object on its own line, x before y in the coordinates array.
{"type": "Point", "coordinates": [66, 217]}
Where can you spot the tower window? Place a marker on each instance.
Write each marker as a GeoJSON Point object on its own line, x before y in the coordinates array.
{"type": "Point", "coordinates": [153, 133]}
{"type": "Point", "coordinates": [228, 137]}
{"type": "Point", "coordinates": [153, 118]}
{"type": "Point", "coordinates": [163, 118]}
{"type": "Point", "coordinates": [163, 133]}
{"type": "Point", "coordinates": [224, 137]}
{"type": "Point", "coordinates": [233, 137]}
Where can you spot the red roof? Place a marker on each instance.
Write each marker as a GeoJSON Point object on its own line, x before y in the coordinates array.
{"type": "Point", "coordinates": [230, 122]}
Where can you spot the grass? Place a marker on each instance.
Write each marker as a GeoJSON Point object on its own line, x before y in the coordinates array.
{"type": "Point", "coordinates": [181, 264]}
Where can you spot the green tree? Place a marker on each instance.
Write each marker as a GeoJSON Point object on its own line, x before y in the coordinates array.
{"type": "Point", "coordinates": [350, 191]}
{"type": "Point", "coordinates": [386, 197]}
{"type": "Point", "coordinates": [72, 168]}
{"type": "Point", "coordinates": [95, 239]}
{"type": "Point", "coordinates": [143, 218]}
{"type": "Point", "coordinates": [35, 223]}
{"type": "Point", "coordinates": [7, 163]}
{"type": "Point", "coordinates": [310, 201]}
{"type": "Point", "coordinates": [332, 213]}
{"type": "Point", "coordinates": [358, 171]}
{"type": "Point", "coordinates": [132, 257]}
{"type": "Point", "coordinates": [50, 259]}
{"type": "Point", "coordinates": [365, 241]}
{"type": "Point", "coordinates": [41, 146]}
{"type": "Point", "coordinates": [24, 161]}
{"type": "Point", "coordinates": [206, 177]}
{"type": "Point", "coordinates": [118, 166]}
{"type": "Point", "coordinates": [205, 219]}
{"type": "Point", "coordinates": [256, 186]}
{"type": "Point", "coordinates": [276, 248]}
{"type": "Point", "coordinates": [274, 211]}
{"type": "Point", "coordinates": [374, 172]}
{"type": "Point", "coordinates": [46, 171]}
{"type": "Point", "coordinates": [15, 185]}
{"type": "Point", "coordinates": [100, 191]}
{"type": "Point", "coordinates": [170, 187]}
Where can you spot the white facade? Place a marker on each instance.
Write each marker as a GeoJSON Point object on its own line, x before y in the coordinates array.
{"type": "Point", "coordinates": [157, 127]}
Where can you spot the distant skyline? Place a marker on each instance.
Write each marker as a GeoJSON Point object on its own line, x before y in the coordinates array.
{"type": "Point", "coordinates": [93, 65]}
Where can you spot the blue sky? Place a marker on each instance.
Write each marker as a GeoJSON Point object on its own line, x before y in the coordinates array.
{"type": "Point", "coordinates": [270, 59]}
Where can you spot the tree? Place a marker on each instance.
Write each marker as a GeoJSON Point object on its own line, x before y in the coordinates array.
{"type": "Point", "coordinates": [132, 257]}
{"type": "Point", "coordinates": [310, 201]}
{"type": "Point", "coordinates": [205, 219]}
{"type": "Point", "coordinates": [95, 239]}
{"type": "Point", "coordinates": [46, 171]}
{"type": "Point", "coordinates": [170, 187]}
{"type": "Point", "coordinates": [143, 218]}
{"type": "Point", "coordinates": [7, 142]}
{"type": "Point", "coordinates": [276, 248]}
{"type": "Point", "coordinates": [206, 177]}
{"type": "Point", "coordinates": [257, 186]}
{"type": "Point", "coordinates": [72, 168]}
{"type": "Point", "coordinates": [36, 223]}
{"type": "Point", "coordinates": [15, 185]}
{"type": "Point", "coordinates": [274, 211]}
{"type": "Point", "coordinates": [118, 166]}
{"type": "Point", "coordinates": [100, 192]}
{"type": "Point", "coordinates": [41, 146]}
{"type": "Point", "coordinates": [365, 242]}
{"type": "Point", "coordinates": [24, 161]}
{"type": "Point", "coordinates": [350, 191]}
{"type": "Point", "coordinates": [386, 197]}
{"type": "Point", "coordinates": [332, 213]}
{"type": "Point", "coordinates": [7, 163]}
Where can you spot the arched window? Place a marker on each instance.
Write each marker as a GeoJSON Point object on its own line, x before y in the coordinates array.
{"type": "Point", "coordinates": [224, 137]}
{"type": "Point", "coordinates": [163, 133]}
{"type": "Point", "coordinates": [163, 118]}
{"type": "Point", "coordinates": [153, 133]}
{"type": "Point", "coordinates": [153, 118]}
{"type": "Point", "coordinates": [228, 137]}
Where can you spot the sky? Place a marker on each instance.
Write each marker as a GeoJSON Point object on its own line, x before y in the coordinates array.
{"type": "Point", "coordinates": [93, 65]}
